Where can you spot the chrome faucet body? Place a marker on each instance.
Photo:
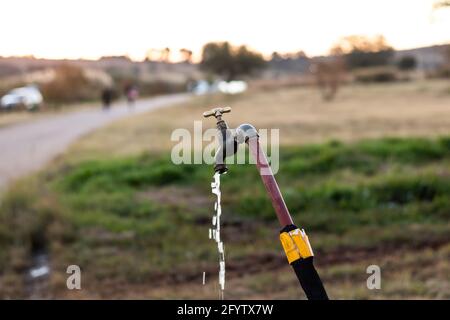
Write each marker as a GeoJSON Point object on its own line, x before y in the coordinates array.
{"type": "Point", "coordinates": [227, 141]}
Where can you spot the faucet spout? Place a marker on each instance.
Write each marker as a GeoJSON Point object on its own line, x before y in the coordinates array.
{"type": "Point", "coordinates": [227, 141]}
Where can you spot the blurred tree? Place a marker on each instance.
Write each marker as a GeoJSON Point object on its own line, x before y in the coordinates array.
{"type": "Point", "coordinates": [230, 62]}
{"type": "Point", "coordinates": [275, 56]}
{"type": "Point", "coordinates": [361, 51]}
{"type": "Point", "coordinates": [152, 54]}
{"type": "Point", "coordinates": [247, 61]}
{"type": "Point", "coordinates": [300, 55]}
{"type": "Point", "coordinates": [217, 58]}
{"type": "Point", "coordinates": [329, 75]}
{"type": "Point", "coordinates": [288, 56]}
{"type": "Point", "coordinates": [407, 63]}
{"type": "Point", "coordinates": [186, 54]}
{"type": "Point", "coordinates": [165, 55]}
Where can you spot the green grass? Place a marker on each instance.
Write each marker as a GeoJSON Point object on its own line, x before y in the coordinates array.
{"type": "Point", "coordinates": [373, 193]}
{"type": "Point", "coordinates": [350, 185]}
{"type": "Point", "coordinates": [375, 182]}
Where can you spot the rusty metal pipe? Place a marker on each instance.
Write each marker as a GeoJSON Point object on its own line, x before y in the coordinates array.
{"type": "Point", "coordinates": [248, 133]}
{"type": "Point", "coordinates": [271, 185]}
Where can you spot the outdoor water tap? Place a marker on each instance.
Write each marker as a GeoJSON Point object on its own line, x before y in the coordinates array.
{"type": "Point", "coordinates": [227, 141]}
{"type": "Point", "coordinates": [293, 239]}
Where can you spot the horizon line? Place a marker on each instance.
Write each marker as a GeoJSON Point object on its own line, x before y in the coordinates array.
{"type": "Point", "coordinates": [131, 59]}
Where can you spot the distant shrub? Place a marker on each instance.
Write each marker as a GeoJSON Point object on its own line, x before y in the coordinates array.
{"type": "Point", "coordinates": [442, 73]}
{"type": "Point", "coordinates": [70, 85]}
{"type": "Point", "coordinates": [371, 75]}
{"type": "Point", "coordinates": [123, 174]}
{"type": "Point", "coordinates": [150, 88]}
{"type": "Point", "coordinates": [362, 51]}
{"type": "Point", "coordinates": [407, 63]}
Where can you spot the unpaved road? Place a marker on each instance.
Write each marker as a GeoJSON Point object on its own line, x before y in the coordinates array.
{"type": "Point", "coordinates": [26, 147]}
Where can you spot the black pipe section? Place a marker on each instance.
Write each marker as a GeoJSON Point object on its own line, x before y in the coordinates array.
{"type": "Point", "coordinates": [307, 274]}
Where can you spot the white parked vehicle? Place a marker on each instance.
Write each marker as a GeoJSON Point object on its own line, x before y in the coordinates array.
{"type": "Point", "coordinates": [202, 87]}
{"type": "Point", "coordinates": [28, 97]}
{"type": "Point", "coordinates": [232, 87]}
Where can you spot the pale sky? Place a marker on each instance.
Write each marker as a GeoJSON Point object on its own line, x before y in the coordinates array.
{"type": "Point", "coordinates": [93, 28]}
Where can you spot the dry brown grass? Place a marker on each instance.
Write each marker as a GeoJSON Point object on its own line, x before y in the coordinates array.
{"type": "Point", "coordinates": [402, 110]}
{"type": "Point", "coordinates": [413, 274]}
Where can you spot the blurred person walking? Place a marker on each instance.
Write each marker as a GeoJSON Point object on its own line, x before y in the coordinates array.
{"type": "Point", "coordinates": [131, 93]}
{"type": "Point", "coordinates": [107, 95]}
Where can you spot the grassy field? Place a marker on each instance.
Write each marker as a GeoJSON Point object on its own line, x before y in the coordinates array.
{"type": "Point", "coordinates": [408, 109]}
{"type": "Point", "coordinates": [366, 175]}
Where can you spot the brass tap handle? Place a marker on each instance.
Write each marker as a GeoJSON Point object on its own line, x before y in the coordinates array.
{"type": "Point", "coordinates": [216, 112]}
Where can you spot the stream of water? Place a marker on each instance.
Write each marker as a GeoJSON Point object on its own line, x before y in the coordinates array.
{"type": "Point", "coordinates": [214, 233]}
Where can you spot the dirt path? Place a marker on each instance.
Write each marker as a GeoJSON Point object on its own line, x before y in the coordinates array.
{"type": "Point", "coordinates": [26, 147]}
